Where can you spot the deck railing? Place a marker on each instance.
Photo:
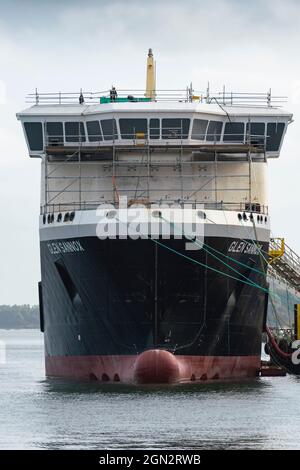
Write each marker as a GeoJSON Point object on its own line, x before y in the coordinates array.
{"type": "Point", "coordinates": [93, 205]}
{"type": "Point", "coordinates": [186, 95]}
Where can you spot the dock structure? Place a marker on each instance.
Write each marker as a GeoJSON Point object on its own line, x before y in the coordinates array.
{"type": "Point", "coordinates": [285, 262]}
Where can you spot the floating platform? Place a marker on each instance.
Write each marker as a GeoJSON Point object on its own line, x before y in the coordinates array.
{"type": "Point", "coordinates": [271, 370]}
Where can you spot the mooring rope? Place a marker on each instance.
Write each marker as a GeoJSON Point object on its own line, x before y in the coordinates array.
{"type": "Point", "coordinates": [203, 245]}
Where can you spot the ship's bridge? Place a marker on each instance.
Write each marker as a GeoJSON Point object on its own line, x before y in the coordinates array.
{"type": "Point", "coordinates": [154, 147]}
{"type": "Point", "coordinates": [228, 123]}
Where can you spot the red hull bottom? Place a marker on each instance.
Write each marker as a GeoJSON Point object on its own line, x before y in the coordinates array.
{"type": "Point", "coordinates": [155, 366]}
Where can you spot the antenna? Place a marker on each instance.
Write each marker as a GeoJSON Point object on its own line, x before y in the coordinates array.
{"type": "Point", "coordinates": [207, 93]}
{"type": "Point", "coordinates": [191, 93]}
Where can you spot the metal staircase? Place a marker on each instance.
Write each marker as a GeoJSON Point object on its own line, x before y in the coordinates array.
{"type": "Point", "coordinates": [284, 261]}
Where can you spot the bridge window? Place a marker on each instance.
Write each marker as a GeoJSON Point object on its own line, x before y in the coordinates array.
{"type": "Point", "coordinates": [274, 136]}
{"type": "Point", "coordinates": [256, 132]}
{"type": "Point", "coordinates": [54, 133]}
{"type": "Point", "coordinates": [234, 132]}
{"type": "Point", "coordinates": [109, 129]}
{"type": "Point", "coordinates": [34, 133]}
{"type": "Point", "coordinates": [154, 128]}
{"type": "Point", "coordinates": [199, 129]}
{"type": "Point", "coordinates": [214, 131]}
{"type": "Point", "coordinates": [132, 128]}
{"type": "Point", "coordinates": [74, 132]}
{"type": "Point", "coordinates": [94, 131]}
{"type": "Point", "coordinates": [175, 128]}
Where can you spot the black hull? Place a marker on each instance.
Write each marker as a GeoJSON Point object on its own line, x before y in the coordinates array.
{"type": "Point", "coordinates": [123, 297]}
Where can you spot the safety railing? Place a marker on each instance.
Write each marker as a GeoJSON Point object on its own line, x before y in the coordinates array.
{"type": "Point", "coordinates": [93, 205]}
{"type": "Point", "coordinates": [180, 95]}
{"type": "Point", "coordinates": [287, 257]}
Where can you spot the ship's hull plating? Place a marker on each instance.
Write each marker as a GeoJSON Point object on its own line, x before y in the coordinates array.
{"type": "Point", "coordinates": [135, 311]}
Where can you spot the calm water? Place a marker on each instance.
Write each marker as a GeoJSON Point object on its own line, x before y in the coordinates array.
{"type": "Point", "coordinates": [36, 413]}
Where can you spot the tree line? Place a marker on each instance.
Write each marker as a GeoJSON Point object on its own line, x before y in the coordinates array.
{"type": "Point", "coordinates": [19, 316]}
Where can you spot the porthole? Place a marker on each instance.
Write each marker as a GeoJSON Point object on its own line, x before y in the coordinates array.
{"type": "Point", "coordinates": [67, 217]}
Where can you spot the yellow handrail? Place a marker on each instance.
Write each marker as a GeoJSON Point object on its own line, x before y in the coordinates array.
{"type": "Point", "coordinates": [276, 250]}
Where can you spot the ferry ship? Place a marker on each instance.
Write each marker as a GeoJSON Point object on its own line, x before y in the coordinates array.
{"type": "Point", "coordinates": [154, 309]}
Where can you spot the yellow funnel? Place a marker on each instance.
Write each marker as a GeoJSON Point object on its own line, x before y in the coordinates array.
{"type": "Point", "coordinates": [150, 82]}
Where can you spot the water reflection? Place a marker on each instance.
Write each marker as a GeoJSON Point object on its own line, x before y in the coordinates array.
{"type": "Point", "coordinates": [116, 416]}
{"type": "Point", "coordinates": [69, 386]}
{"type": "Point", "coordinates": [131, 443]}
{"type": "Point", "coordinates": [43, 413]}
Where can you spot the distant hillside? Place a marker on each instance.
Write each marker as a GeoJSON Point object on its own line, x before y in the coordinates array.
{"type": "Point", "coordinates": [19, 316]}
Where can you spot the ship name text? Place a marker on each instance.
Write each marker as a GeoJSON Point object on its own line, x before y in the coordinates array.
{"type": "Point", "coordinates": [246, 248]}
{"type": "Point", "coordinates": [59, 247]}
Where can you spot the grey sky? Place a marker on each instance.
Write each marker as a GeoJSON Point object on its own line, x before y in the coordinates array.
{"type": "Point", "coordinates": [64, 45]}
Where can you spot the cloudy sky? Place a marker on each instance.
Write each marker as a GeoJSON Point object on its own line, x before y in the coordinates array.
{"type": "Point", "coordinates": [68, 44]}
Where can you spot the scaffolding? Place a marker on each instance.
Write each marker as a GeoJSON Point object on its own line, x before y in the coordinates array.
{"type": "Point", "coordinates": [81, 177]}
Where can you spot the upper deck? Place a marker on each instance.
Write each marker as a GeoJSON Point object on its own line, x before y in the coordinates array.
{"type": "Point", "coordinates": [229, 123]}
{"type": "Point", "coordinates": [154, 146]}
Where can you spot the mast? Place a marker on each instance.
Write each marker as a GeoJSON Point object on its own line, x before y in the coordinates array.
{"type": "Point", "coordinates": [150, 80]}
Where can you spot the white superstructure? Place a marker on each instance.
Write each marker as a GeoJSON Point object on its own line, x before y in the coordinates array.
{"type": "Point", "coordinates": [181, 146]}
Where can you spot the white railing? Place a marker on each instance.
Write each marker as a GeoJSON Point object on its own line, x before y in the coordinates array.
{"type": "Point", "coordinates": [181, 95]}
{"type": "Point", "coordinates": [50, 208]}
